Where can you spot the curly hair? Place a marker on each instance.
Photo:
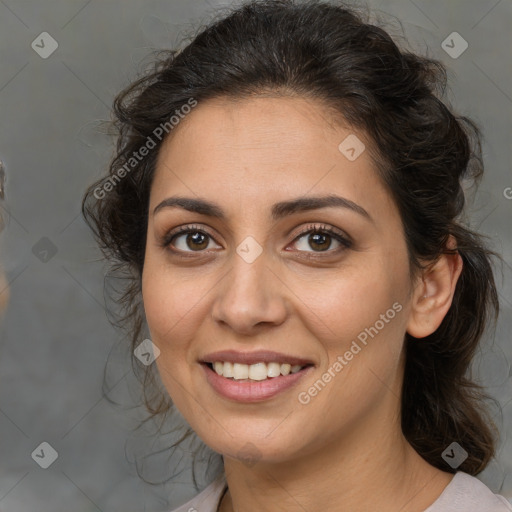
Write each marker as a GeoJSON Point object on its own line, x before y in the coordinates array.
{"type": "Point", "coordinates": [423, 151]}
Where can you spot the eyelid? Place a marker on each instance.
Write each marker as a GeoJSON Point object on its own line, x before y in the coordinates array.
{"type": "Point", "coordinates": [319, 227]}
{"type": "Point", "coordinates": [343, 238]}
{"type": "Point", "coordinates": [167, 238]}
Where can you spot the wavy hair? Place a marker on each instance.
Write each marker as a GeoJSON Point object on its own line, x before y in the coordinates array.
{"type": "Point", "coordinates": [424, 152]}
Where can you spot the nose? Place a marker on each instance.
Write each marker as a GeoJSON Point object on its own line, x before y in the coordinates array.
{"type": "Point", "coordinates": [250, 296]}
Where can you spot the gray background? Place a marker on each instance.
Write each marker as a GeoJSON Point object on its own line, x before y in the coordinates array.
{"type": "Point", "coordinates": [55, 336]}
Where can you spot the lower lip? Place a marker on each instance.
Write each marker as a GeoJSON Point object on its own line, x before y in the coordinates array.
{"type": "Point", "coordinates": [252, 391]}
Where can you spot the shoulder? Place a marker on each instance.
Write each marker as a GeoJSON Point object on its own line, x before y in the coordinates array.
{"type": "Point", "coordinates": [465, 493]}
{"type": "Point", "coordinates": [208, 499]}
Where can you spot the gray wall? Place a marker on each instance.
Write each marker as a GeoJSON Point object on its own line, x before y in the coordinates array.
{"type": "Point", "coordinates": [55, 336]}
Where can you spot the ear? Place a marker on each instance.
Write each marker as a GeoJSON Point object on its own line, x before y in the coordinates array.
{"type": "Point", "coordinates": [433, 293]}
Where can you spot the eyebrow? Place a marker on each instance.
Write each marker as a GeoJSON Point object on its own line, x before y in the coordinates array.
{"type": "Point", "coordinates": [278, 211]}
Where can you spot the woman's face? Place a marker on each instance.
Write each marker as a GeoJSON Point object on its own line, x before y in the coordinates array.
{"type": "Point", "coordinates": [253, 279]}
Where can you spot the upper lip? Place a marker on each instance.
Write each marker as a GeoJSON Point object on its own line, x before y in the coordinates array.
{"type": "Point", "coordinates": [258, 356]}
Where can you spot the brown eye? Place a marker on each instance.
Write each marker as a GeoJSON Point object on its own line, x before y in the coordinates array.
{"type": "Point", "coordinates": [196, 241]}
{"type": "Point", "coordinates": [189, 239]}
{"type": "Point", "coordinates": [321, 240]}
{"type": "Point", "coordinates": [192, 240]}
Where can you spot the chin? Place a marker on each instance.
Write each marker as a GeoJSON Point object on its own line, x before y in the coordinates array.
{"type": "Point", "coordinates": [249, 446]}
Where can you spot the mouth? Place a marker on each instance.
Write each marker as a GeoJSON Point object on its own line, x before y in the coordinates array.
{"type": "Point", "coordinates": [255, 372]}
{"type": "Point", "coordinates": [253, 377]}
{"type": "Point", "coordinates": [257, 382]}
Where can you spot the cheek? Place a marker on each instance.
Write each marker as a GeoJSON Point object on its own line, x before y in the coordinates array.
{"type": "Point", "coordinates": [171, 302]}
{"type": "Point", "coordinates": [175, 305]}
{"type": "Point", "coordinates": [168, 308]}
{"type": "Point", "coordinates": [363, 316]}
{"type": "Point", "coordinates": [362, 363]}
{"type": "Point", "coordinates": [342, 307]}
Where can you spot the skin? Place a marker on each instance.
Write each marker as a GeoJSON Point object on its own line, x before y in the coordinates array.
{"type": "Point", "coordinates": [344, 450]}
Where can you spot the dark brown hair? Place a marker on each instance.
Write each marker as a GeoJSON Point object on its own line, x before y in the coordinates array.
{"type": "Point", "coordinates": [423, 151]}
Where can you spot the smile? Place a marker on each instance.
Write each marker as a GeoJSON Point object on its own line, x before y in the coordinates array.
{"type": "Point", "coordinates": [245, 388]}
{"type": "Point", "coordinates": [255, 372]}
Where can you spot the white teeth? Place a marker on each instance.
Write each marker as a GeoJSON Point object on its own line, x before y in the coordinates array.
{"type": "Point", "coordinates": [240, 371]}
{"type": "Point", "coordinates": [285, 368]}
{"type": "Point", "coordinates": [227, 369]}
{"type": "Point", "coordinates": [258, 371]}
{"type": "Point", "coordinates": [218, 367]}
{"type": "Point", "coordinates": [273, 369]}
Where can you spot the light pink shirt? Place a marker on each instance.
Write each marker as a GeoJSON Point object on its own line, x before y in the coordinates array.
{"type": "Point", "coordinates": [464, 493]}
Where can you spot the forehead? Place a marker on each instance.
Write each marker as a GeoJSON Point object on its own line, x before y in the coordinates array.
{"type": "Point", "coordinates": [264, 126]}
{"type": "Point", "coordinates": [263, 147]}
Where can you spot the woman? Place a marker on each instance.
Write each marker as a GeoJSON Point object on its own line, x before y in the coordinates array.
{"type": "Point", "coordinates": [287, 195]}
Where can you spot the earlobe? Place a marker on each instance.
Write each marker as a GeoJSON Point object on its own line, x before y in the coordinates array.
{"type": "Point", "coordinates": [433, 294]}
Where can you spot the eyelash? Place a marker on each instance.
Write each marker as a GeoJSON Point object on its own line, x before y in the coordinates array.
{"type": "Point", "coordinates": [344, 240]}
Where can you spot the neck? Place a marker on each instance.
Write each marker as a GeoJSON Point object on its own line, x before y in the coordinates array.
{"type": "Point", "coordinates": [369, 469]}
